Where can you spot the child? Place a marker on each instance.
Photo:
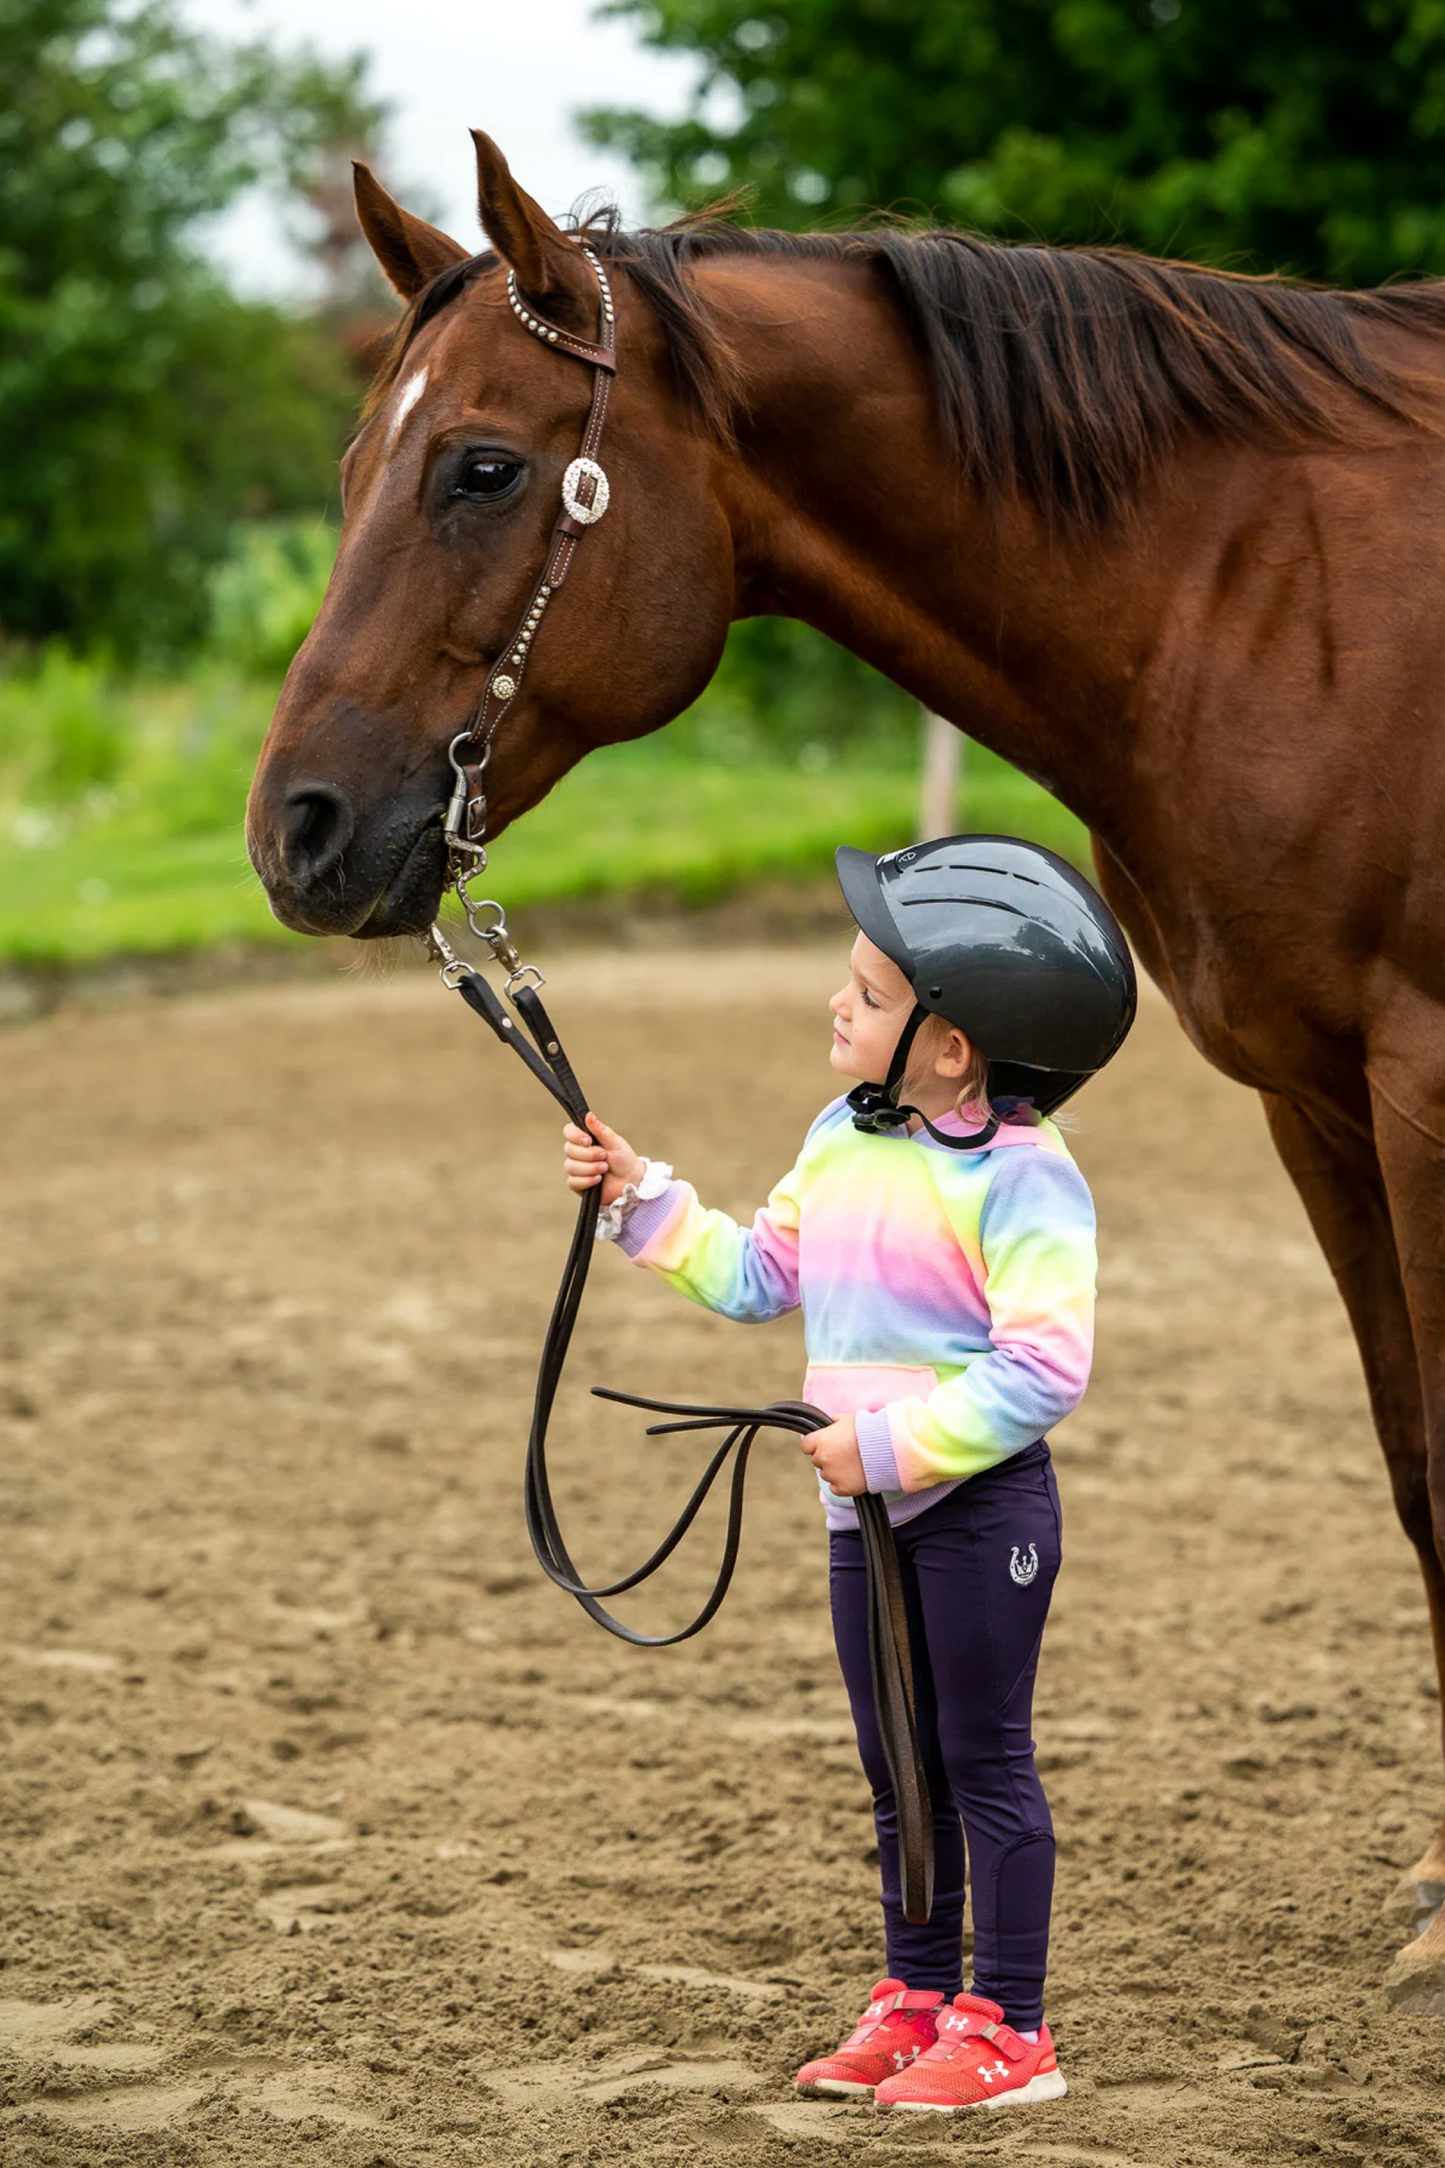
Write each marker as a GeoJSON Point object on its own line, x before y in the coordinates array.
{"type": "Point", "coordinates": [940, 1241]}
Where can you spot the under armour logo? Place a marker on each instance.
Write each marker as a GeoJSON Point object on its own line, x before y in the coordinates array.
{"type": "Point", "coordinates": [902, 2057]}
{"type": "Point", "coordinates": [990, 2071]}
{"type": "Point", "coordinates": [1023, 1570]}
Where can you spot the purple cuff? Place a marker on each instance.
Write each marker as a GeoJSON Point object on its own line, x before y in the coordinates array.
{"type": "Point", "coordinates": [875, 1447]}
{"type": "Point", "coordinates": [644, 1220]}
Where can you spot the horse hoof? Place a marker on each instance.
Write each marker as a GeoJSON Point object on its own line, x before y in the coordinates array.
{"type": "Point", "coordinates": [1413, 1903]}
{"type": "Point", "coordinates": [1415, 1983]}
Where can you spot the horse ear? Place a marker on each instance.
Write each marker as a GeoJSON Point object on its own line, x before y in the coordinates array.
{"type": "Point", "coordinates": [550, 266]}
{"type": "Point", "coordinates": [409, 250]}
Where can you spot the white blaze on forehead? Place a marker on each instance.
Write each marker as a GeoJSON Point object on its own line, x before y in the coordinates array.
{"type": "Point", "coordinates": [407, 398]}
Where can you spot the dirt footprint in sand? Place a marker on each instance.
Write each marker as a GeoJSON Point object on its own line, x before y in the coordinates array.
{"type": "Point", "coordinates": [49, 2032]}
{"type": "Point", "coordinates": [543, 2085]}
{"type": "Point", "coordinates": [43, 2036]}
{"type": "Point", "coordinates": [279, 1844]}
{"type": "Point", "coordinates": [594, 1960]}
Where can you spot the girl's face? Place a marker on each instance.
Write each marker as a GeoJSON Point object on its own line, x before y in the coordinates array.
{"type": "Point", "coordinates": [868, 1014]}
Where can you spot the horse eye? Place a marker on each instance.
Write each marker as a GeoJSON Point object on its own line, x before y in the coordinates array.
{"type": "Point", "coordinates": [487, 474]}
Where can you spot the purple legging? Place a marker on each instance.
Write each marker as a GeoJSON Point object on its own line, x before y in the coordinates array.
{"type": "Point", "coordinates": [978, 1570]}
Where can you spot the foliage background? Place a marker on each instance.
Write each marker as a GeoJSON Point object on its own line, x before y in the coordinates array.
{"type": "Point", "coordinates": [144, 409]}
{"type": "Point", "coordinates": [1273, 135]}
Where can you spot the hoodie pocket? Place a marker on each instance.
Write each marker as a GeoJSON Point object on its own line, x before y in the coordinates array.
{"type": "Point", "coordinates": [859, 1388]}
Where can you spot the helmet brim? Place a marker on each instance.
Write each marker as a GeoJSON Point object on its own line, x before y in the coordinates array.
{"type": "Point", "coordinates": [858, 879]}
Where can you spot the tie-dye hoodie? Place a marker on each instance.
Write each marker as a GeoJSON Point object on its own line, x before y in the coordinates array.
{"type": "Point", "coordinates": [947, 1297]}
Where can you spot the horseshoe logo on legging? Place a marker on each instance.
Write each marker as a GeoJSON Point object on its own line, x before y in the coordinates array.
{"type": "Point", "coordinates": [1023, 1570]}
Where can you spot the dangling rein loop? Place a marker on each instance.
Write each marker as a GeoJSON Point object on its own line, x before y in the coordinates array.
{"type": "Point", "coordinates": [585, 496]}
{"type": "Point", "coordinates": [543, 1055]}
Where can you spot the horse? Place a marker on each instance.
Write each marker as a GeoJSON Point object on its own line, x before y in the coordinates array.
{"type": "Point", "coordinates": [1171, 540]}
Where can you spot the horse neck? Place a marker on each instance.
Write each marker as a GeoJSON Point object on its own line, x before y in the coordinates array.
{"type": "Point", "coordinates": [850, 511]}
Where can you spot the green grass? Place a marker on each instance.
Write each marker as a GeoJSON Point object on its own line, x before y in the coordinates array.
{"type": "Point", "coordinates": [635, 818]}
{"type": "Point", "coordinates": [121, 810]}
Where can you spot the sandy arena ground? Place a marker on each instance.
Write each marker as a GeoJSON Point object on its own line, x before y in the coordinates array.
{"type": "Point", "coordinates": [333, 1833]}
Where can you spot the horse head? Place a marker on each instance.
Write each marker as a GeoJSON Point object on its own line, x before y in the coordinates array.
{"type": "Point", "coordinates": [449, 493]}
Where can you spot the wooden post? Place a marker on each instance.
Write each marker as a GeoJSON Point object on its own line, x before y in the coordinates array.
{"type": "Point", "coordinates": [942, 765]}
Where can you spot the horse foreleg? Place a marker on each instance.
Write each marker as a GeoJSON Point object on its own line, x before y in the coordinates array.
{"type": "Point", "coordinates": [1407, 1100]}
{"type": "Point", "coordinates": [1338, 1176]}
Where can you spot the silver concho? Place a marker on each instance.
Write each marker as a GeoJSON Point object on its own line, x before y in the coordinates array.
{"type": "Point", "coordinates": [587, 515]}
{"type": "Point", "coordinates": [504, 687]}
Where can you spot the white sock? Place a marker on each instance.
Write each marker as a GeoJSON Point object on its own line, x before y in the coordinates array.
{"type": "Point", "coordinates": [1032, 2038]}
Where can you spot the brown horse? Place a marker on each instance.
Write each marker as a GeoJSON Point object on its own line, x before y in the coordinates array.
{"type": "Point", "coordinates": [1172, 541]}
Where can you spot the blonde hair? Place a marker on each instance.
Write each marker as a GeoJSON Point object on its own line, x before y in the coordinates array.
{"type": "Point", "coordinates": [972, 1094]}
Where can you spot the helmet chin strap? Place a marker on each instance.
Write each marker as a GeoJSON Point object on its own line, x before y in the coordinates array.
{"type": "Point", "coordinates": [876, 1109]}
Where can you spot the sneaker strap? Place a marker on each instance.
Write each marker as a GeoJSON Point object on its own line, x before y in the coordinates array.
{"type": "Point", "coordinates": [882, 2007]}
{"type": "Point", "coordinates": [956, 2026]}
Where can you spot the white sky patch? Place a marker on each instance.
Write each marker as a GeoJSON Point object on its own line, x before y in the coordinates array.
{"type": "Point", "coordinates": [519, 72]}
{"type": "Point", "coordinates": [407, 398]}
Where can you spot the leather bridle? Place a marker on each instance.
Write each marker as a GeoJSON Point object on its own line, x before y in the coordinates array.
{"type": "Point", "coordinates": [584, 500]}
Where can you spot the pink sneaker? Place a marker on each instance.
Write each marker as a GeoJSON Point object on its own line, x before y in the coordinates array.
{"type": "Point", "coordinates": [896, 2028]}
{"type": "Point", "coordinates": [976, 2062]}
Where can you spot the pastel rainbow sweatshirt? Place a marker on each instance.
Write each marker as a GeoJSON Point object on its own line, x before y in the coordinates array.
{"type": "Point", "coordinates": [947, 1296]}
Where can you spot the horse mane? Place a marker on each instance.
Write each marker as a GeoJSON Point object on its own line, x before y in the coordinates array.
{"type": "Point", "coordinates": [1066, 374]}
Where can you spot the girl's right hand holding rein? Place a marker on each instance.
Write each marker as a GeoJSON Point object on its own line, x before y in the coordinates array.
{"type": "Point", "coordinates": [602, 1157]}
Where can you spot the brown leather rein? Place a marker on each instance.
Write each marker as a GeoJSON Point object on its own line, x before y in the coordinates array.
{"type": "Point", "coordinates": [585, 497]}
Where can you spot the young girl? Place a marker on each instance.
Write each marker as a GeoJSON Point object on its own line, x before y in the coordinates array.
{"type": "Point", "coordinates": [941, 1243]}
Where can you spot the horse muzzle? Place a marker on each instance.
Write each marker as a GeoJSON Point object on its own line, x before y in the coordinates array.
{"type": "Point", "coordinates": [328, 870]}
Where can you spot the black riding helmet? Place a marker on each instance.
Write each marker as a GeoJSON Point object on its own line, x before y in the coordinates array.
{"type": "Point", "coordinates": [1005, 940]}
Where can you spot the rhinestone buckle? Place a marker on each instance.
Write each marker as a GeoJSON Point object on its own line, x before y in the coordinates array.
{"type": "Point", "coordinates": [504, 687]}
{"type": "Point", "coordinates": [581, 470]}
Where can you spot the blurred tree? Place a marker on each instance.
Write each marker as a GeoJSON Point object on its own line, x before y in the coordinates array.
{"type": "Point", "coordinates": [144, 409]}
{"type": "Point", "coordinates": [1268, 134]}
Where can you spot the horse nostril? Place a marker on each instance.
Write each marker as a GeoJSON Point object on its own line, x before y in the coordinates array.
{"type": "Point", "coordinates": [315, 828]}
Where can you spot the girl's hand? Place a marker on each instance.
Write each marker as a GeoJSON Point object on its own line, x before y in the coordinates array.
{"type": "Point", "coordinates": [601, 1157]}
{"type": "Point", "coordinates": [834, 1453]}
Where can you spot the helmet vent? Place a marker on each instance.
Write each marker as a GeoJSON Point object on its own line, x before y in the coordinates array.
{"type": "Point", "coordinates": [1005, 873]}
{"type": "Point", "coordinates": [983, 903]}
